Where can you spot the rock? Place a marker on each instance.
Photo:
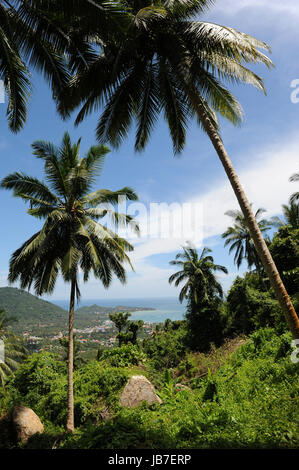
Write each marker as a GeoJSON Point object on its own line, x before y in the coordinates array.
{"type": "Point", "coordinates": [26, 422]}
{"type": "Point", "coordinates": [137, 390]}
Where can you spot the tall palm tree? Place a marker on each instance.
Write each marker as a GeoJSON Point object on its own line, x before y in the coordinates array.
{"type": "Point", "coordinates": [71, 240]}
{"type": "Point", "coordinates": [240, 241]}
{"type": "Point", "coordinates": [28, 40]}
{"type": "Point", "coordinates": [198, 274]}
{"type": "Point", "coordinates": [165, 62]}
{"type": "Point", "coordinates": [291, 215]}
{"type": "Point", "coordinates": [295, 196]}
{"type": "Point", "coordinates": [42, 34]}
{"type": "Point", "coordinates": [11, 347]}
{"type": "Point", "coordinates": [204, 296]}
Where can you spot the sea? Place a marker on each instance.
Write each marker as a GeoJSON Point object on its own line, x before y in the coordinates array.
{"type": "Point", "coordinates": [162, 308]}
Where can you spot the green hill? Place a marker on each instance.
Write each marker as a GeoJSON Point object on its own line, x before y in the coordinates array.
{"type": "Point", "coordinates": [44, 319]}
{"type": "Point", "coordinates": [30, 310]}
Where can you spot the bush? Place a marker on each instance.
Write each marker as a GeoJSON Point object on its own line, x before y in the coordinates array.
{"type": "Point", "coordinates": [249, 402]}
{"type": "Point", "coordinates": [249, 308]}
{"type": "Point", "coordinates": [41, 384]}
{"type": "Point", "coordinates": [166, 348]}
{"type": "Point", "coordinates": [124, 356]}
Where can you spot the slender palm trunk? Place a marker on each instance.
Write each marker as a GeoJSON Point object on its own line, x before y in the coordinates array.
{"type": "Point", "coordinates": [257, 237]}
{"type": "Point", "coordinates": [70, 393]}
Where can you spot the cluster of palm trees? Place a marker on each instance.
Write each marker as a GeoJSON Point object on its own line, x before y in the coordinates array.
{"type": "Point", "coordinates": [131, 62]}
{"type": "Point", "coordinates": [198, 272]}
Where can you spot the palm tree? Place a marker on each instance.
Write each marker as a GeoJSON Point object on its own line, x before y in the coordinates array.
{"type": "Point", "coordinates": [204, 296]}
{"type": "Point", "coordinates": [43, 34]}
{"type": "Point", "coordinates": [11, 347]}
{"type": "Point", "coordinates": [291, 215]}
{"type": "Point", "coordinates": [28, 39]}
{"type": "Point", "coordinates": [295, 196]}
{"type": "Point", "coordinates": [198, 273]}
{"type": "Point", "coordinates": [240, 241]}
{"type": "Point", "coordinates": [165, 62]}
{"type": "Point", "coordinates": [71, 240]}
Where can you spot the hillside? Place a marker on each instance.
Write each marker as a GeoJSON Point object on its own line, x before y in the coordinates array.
{"type": "Point", "coordinates": [30, 310]}
{"type": "Point", "coordinates": [97, 309]}
{"type": "Point", "coordinates": [249, 402]}
{"type": "Point", "coordinates": [42, 323]}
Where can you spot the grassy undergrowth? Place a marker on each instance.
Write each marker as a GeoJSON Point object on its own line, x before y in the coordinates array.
{"type": "Point", "coordinates": [251, 401]}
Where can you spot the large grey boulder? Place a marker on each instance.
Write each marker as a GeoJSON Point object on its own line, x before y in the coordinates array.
{"type": "Point", "coordinates": [26, 422]}
{"type": "Point", "coordinates": [137, 390]}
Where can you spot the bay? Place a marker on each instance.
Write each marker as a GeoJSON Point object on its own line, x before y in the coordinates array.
{"type": "Point", "coordinates": [163, 307]}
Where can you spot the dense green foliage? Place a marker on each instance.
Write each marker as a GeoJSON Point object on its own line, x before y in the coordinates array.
{"type": "Point", "coordinates": [250, 306]}
{"type": "Point", "coordinates": [167, 345]}
{"type": "Point", "coordinates": [250, 303]}
{"type": "Point", "coordinates": [41, 383]}
{"type": "Point", "coordinates": [285, 251]}
{"type": "Point", "coordinates": [250, 402]}
{"type": "Point", "coordinates": [125, 356]}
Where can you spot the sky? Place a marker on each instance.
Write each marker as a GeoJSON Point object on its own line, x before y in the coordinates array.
{"type": "Point", "coordinates": [264, 151]}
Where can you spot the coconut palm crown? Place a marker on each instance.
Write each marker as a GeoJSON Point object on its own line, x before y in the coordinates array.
{"type": "Point", "coordinates": [164, 63]}
{"type": "Point", "coordinates": [291, 215]}
{"type": "Point", "coordinates": [71, 237]}
{"type": "Point", "coordinates": [43, 35]}
{"type": "Point", "coordinates": [198, 274]}
{"type": "Point", "coordinates": [240, 241]}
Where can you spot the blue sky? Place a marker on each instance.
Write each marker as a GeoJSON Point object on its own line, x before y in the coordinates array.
{"type": "Point", "coordinates": [265, 152]}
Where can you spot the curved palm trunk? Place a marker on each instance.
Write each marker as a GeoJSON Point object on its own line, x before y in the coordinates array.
{"type": "Point", "coordinates": [257, 237]}
{"type": "Point", "coordinates": [70, 393]}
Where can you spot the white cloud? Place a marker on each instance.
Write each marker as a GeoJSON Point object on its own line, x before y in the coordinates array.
{"type": "Point", "coordinates": [290, 7]}
{"type": "Point", "coordinates": [266, 182]}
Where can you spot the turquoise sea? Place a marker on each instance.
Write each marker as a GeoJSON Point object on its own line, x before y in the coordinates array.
{"type": "Point", "coordinates": [163, 307]}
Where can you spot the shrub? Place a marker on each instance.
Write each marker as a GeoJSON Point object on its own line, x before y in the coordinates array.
{"type": "Point", "coordinates": [124, 356]}
{"type": "Point", "coordinates": [166, 348]}
{"type": "Point", "coordinates": [249, 308]}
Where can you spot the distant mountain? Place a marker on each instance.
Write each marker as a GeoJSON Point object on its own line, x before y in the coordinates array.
{"type": "Point", "coordinates": [97, 309]}
{"type": "Point", "coordinates": [29, 309]}
{"type": "Point", "coordinates": [42, 318]}
{"type": "Point", "coordinates": [19, 303]}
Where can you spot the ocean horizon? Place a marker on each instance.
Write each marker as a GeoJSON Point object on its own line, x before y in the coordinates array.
{"type": "Point", "coordinates": [163, 307]}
